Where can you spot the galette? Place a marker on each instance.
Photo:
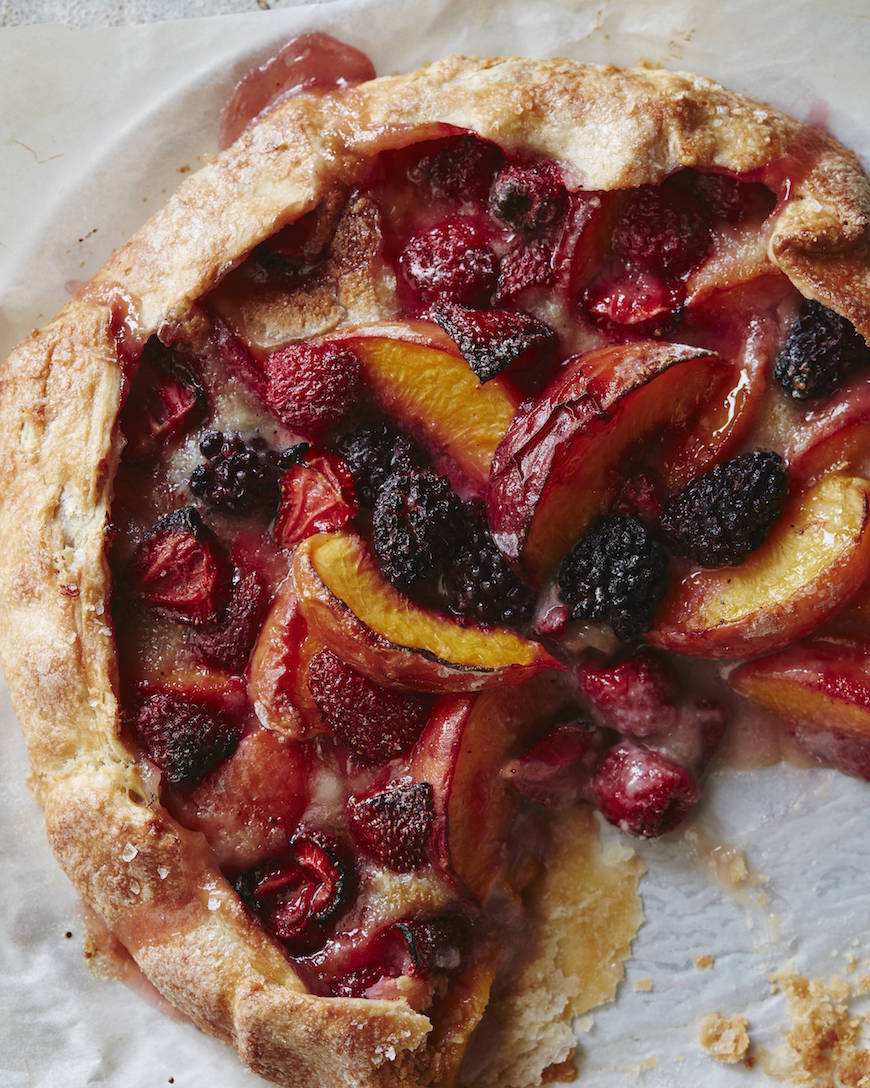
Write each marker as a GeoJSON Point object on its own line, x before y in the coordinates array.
{"type": "Point", "coordinates": [456, 456]}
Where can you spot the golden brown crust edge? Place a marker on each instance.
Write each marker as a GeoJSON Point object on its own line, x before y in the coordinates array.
{"type": "Point", "coordinates": [59, 397]}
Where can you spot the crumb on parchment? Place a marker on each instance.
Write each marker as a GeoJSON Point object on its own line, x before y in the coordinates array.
{"type": "Point", "coordinates": [724, 1037]}
{"type": "Point", "coordinates": [643, 985]}
{"type": "Point", "coordinates": [705, 962]}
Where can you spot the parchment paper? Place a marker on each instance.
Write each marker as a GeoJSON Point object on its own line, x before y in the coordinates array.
{"type": "Point", "coordinates": [94, 128]}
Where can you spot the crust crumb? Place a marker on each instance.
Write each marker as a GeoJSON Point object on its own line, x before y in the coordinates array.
{"type": "Point", "coordinates": [560, 1072]}
{"type": "Point", "coordinates": [705, 962]}
{"type": "Point", "coordinates": [724, 1037]}
{"type": "Point", "coordinates": [822, 1048]}
{"type": "Point", "coordinates": [643, 986]}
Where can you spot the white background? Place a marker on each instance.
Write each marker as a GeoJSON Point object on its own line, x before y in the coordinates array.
{"type": "Point", "coordinates": [94, 126]}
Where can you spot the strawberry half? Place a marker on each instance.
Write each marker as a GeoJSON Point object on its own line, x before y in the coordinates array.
{"type": "Point", "coordinates": [394, 825]}
{"type": "Point", "coordinates": [170, 401]}
{"type": "Point", "coordinates": [555, 770]}
{"type": "Point", "coordinates": [642, 792]}
{"type": "Point", "coordinates": [526, 265]}
{"type": "Point", "coordinates": [310, 387]}
{"type": "Point", "coordinates": [376, 723]}
{"type": "Point", "coordinates": [452, 261]}
{"type": "Point", "coordinates": [318, 495]}
{"type": "Point", "coordinates": [301, 894]}
{"type": "Point", "coordinates": [227, 644]}
{"type": "Point", "coordinates": [185, 737]}
{"type": "Point", "coordinates": [491, 341]}
{"type": "Point", "coordinates": [180, 567]}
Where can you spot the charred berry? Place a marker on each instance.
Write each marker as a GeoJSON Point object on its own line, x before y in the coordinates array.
{"type": "Point", "coordinates": [239, 475]}
{"type": "Point", "coordinates": [227, 644]}
{"type": "Point", "coordinates": [528, 197]}
{"type": "Point", "coordinates": [821, 351]}
{"type": "Point", "coordinates": [478, 582]}
{"type": "Point", "coordinates": [460, 168]}
{"type": "Point", "coordinates": [661, 230]}
{"type": "Point", "coordinates": [394, 825]}
{"type": "Point", "coordinates": [302, 893]}
{"type": "Point", "coordinates": [494, 340]}
{"type": "Point", "coordinates": [451, 260]}
{"type": "Point", "coordinates": [310, 387]}
{"type": "Point", "coordinates": [186, 739]}
{"type": "Point", "coordinates": [415, 523]}
{"type": "Point", "coordinates": [722, 516]}
{"type": "Point", "coordinates": [180, 567]}
{"type": "Point", "coordinates": [376, 723]}
{"type": "Point", "coordinates": [642, 792]}
{"type": "Point", "coordinates": [615, 574]}
{"type": "Point", "coordinates": [374, 452]}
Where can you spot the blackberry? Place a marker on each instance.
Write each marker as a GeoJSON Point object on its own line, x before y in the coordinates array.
{"type": "Point", "coordinates": [722, 516]}
{"type": "Point", "coordinates": [615, 574]}
{"type": "Point", "coordinates": [374, 452]}
{"type": "Point", "coordinates": [478, 583]}
{"type": "Point", "coordinates": [821, 351]}
{"type": "Point", "coordinates": [238, 475]}
{"type": "Point", "coordinates": [415, 522]}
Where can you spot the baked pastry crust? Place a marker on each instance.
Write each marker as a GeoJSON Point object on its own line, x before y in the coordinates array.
{"type": "Point", "coordinates": [60, 393]}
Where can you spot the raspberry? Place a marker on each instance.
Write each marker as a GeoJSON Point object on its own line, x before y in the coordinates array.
{"type": "Point", "coordinates": [302, 893]}
{"type": "Point", "coordinates": [722, 516]}
{"type": "Point", "coordinates": [415, 523]}
{"type": "Point", "coordinates": [526, 265]}
{"type": "Point", "coordinates": [374, 452]}
{"type": "Point", "coordinates": [376, 723]}
{"type": "Point", "coordinates": [638, 301]}
{"type": "Point", "coordinates": [238, 476]}
{"type": "Point", "coordinates": [528, 198]}
{"type": "Point", "coordinates": [310, 387]}
{"type": "Point", "coordinates": [477, 582]}
{"type": "Point", "coordinates": [394, 825]}
{"type": "Point", "coordinates": [725, 197]}
{"type": "Point", "coordinates": [179, 567]}
{"type": "Point", "coordinates": [632, 696]}
{"type": "Point", "coordinates": [167, 402]}
{"type": "Point", "coordinates": [458, 168]}
{"type": "Point", "coordinates": [185, 738]}
{"type": "Point", "coordinates": [494, 340]}
{"type": "Point", "coordinates": [555, 770]}
{"type": "Point", "coordinates": [661, 230]}
{"type": "Point", "coordinates": [451, 260]}
{"type": "Point", "coordinates": [615, 574]}
{"type": "Point", "coordinates": [641, 792]}
{"type": "Point", "coordinates": [227, 644]}
{"type": "Point", "coordinates": [317, 496]}
{"type": "Point", "coordinates": [821, 351]}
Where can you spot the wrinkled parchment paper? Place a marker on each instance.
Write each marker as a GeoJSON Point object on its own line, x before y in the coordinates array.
{"type": "Point", "coordinates": [95, 127]}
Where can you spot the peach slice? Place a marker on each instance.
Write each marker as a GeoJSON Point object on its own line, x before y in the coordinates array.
{"type": "Point", "coordinates": [836, 437]}
{"type": "Point", "coordinates": [278, 674]}
{"type": "Point", "coordinates": [419, 378]}
{"type": "Point", "coordinates": [825, 683]}
{"type": "Point", "coordinates": [813, 562]}
{"type": "Point", "coordinates": [553, 472]}
{"type": "Point", "coordinates": [460, 753]}
{"type": "Point", "coordinates": [358, 614]}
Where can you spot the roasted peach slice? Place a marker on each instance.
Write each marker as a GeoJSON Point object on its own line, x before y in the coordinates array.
{"type": "Point", "coordinates": [370, 624]}
{"type": "Point", "coordinates": [825, 683]}
{"type": "Point", "coordinates": [278, 674]}
{"type": "Point", "coordinates": [553, 472]}
{"type": "Point", "coordinates": [419, 378]}
{"type": "Point", "coordinates": [835, 437]}
{"type": "Point", "coordinates": [813, 561]}
{"type": "Point", "coordinates": [460, 753]}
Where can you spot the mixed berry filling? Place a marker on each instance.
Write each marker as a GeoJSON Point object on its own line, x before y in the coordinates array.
{"type": "Point", "coordinates": [467, 445]}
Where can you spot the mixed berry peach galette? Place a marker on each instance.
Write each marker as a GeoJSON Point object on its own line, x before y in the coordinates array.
{"type": "Point", "coordinates": [457, 453]}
